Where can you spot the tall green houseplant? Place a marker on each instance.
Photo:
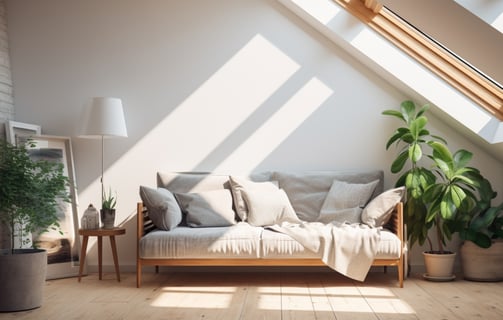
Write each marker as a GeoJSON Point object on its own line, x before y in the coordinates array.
{"type": "Point", "coordinates": [29, 191]}
{"type": "Point", "coordinates": [442, 195]}
{"type": "Point", "coordinates": [29, 194]}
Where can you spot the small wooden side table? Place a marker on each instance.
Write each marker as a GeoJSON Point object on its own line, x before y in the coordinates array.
{"type": "Point", "coordinates": [100, 233]}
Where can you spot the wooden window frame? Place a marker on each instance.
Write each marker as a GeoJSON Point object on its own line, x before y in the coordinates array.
{"type": "Point", "coordinates": [481, 90]}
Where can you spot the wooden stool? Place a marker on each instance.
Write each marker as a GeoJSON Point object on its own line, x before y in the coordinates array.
{"type": "Point", "coordinates": [100, 233]}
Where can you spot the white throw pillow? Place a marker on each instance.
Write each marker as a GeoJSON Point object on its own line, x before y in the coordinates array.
{"type": "Point", "coordinates": [238, 184]}
{"type": "Point", "coordinates": [163, 208]}
{"type": "Point", "coordinates": [378, 212]}
{"type": "Point", "coordinates": [268, 207]}
{"type": "Point", "coordinates": [345, 201]}
{"type": "Point", "coordinates": [207, 209]}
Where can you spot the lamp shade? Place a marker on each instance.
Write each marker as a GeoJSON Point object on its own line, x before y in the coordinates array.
{"type": "Point", "coordinates": [104, 118]}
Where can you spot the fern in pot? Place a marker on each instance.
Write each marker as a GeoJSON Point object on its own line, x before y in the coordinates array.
{"type": "Point", "coordinates": [29, 195]}
{"type": "Point", "coordinates": [441, 196]}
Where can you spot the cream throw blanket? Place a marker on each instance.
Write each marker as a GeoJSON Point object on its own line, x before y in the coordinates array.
{"type": "Point", "coordinates": [349, 249]}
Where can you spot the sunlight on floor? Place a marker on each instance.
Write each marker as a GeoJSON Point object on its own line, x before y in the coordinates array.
{"type": "Point", "coordinates": [195, 297]}
{"type": "Point", "coordinates": [329, 299]}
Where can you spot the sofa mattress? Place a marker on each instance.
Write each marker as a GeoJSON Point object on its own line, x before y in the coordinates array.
{"type": "Point", "coordinates": [239, 241]}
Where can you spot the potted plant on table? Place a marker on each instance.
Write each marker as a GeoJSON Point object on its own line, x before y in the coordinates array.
{"type": "Point", "coordinates": [441, 196]}
{"type": "Point", "coordinates": [29, 194]}
{"type": "Point", "coordinates": [108, 209]}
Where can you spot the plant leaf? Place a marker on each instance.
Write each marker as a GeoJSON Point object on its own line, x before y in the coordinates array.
{"type": "Point", "coordinates": [394, 113]}
{"type": "Point", "coordinates": [408, 109]}
{"type": "Point", "coordinates": [462, 158]}
{"type": "Point", "coordinates": [415, 153]}
{"type": "Point", "coordinates": [399, 162]}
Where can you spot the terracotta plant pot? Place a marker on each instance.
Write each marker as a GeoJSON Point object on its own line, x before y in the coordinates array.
{"type": "Point", "coordinates": [439, 266]}
{"type": "Point", "coordinates": [480, 264]}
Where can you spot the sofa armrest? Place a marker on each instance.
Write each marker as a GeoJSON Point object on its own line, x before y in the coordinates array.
{"type": "Point", "coordinates": [144, 223]}
{"type": "Point", "coordinates": [396, 222]}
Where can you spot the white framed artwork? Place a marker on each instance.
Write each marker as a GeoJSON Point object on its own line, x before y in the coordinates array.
{"type": "Point", "coordinates": [16, 129]}
{"type": "Point", "coordinates": [63, 248]}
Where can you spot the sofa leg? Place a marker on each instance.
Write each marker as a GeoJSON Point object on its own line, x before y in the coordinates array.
{"type": "Point", "coordinates": [400, 275]}
{"type": "Point", "coordinates": [156, 269]}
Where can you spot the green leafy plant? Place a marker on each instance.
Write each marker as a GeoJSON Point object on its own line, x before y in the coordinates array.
{"type": "Point", "coordinates": [486, 223]}
{"type": "Point", "coordinates": [29, 191]}
{"type": "Point", "coordinates": [443, 195]}
{"type": "Point", "coordinates": [453, 199]}
{"type": "Point", "coordinates": [108, 200]}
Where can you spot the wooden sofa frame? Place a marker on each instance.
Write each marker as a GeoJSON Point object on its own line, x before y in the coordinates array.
{"type": "Point", "coordinates": [145, 225]}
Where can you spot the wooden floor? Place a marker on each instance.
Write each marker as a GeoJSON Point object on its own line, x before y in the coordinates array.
{"type": "Point", "coordinates": [258, 295]}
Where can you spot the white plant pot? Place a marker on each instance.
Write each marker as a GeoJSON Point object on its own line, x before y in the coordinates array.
{"type": "Point", "coordinates": [439, 267]}
{"type": "Point", "coordinates": [480, 264]}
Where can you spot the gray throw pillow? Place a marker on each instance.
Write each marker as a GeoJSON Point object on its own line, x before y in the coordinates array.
{"type": "Point", "coordinates": [238, 184]}
{"type": "Point", "coordinates": [208, 208]}
{"type": "Point", "coordinates": [378, 212]}
{"type": "Point", "coordinates": [308, 190]}
{"type": "Point", "coordinates": [348, 215]}
{"type": "Point", "coordinates": [268, 207]}
{"type": "Point", "coordinates": [163, 208]}
{"type": "Point", "coordinates": [345, 201]}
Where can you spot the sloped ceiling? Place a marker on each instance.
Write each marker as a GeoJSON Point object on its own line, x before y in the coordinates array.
{"type": "Point", "coordinates": [449, 105]}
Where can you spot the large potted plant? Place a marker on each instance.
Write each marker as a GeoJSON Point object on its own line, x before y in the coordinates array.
{"type": "Point", "coordinates": [482, 248]}
{"type": "Point", "coordinates": [29, 194]}
{"type": "Point", "coordinates": [440, 196]}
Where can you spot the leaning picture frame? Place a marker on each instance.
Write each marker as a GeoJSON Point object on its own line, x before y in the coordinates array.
{"type": "Point", "coordinates": [15, 129]}
{"type": "Point", "coordinates": [63, 249]}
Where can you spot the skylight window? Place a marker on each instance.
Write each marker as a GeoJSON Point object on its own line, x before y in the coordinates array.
{"type": "Point", "coordinates": [458, 31]}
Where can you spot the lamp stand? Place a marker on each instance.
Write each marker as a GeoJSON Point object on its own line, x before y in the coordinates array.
{"type": "Point", "coordinates": [102, 168]}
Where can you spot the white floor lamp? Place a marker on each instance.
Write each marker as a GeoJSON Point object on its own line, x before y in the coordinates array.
{"type": "Point", "coordinates": [104, 119]}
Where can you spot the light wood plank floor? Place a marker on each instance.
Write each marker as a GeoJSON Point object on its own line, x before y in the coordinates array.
{"type": "Point", "coordinates": [259, 295]}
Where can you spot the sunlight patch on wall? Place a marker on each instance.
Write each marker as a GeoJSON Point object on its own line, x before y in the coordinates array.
{"type": "Point", "coordinates": [279, 126]}
{"type": "Point", "coordinates": [201, 122]}
{"type": "Point", "coordinates": [227, 98]}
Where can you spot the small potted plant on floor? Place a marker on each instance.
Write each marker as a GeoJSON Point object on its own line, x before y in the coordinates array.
{"type": "Point", "coordinates": [29, 195]}
{"type": "Point", "coordinates": [440, 196]}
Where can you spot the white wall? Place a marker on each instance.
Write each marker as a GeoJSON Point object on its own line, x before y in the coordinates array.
{"type": "Point", "coordinates": [228, 86]}
{"type": "Point", "coordinates": [6, 99]}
